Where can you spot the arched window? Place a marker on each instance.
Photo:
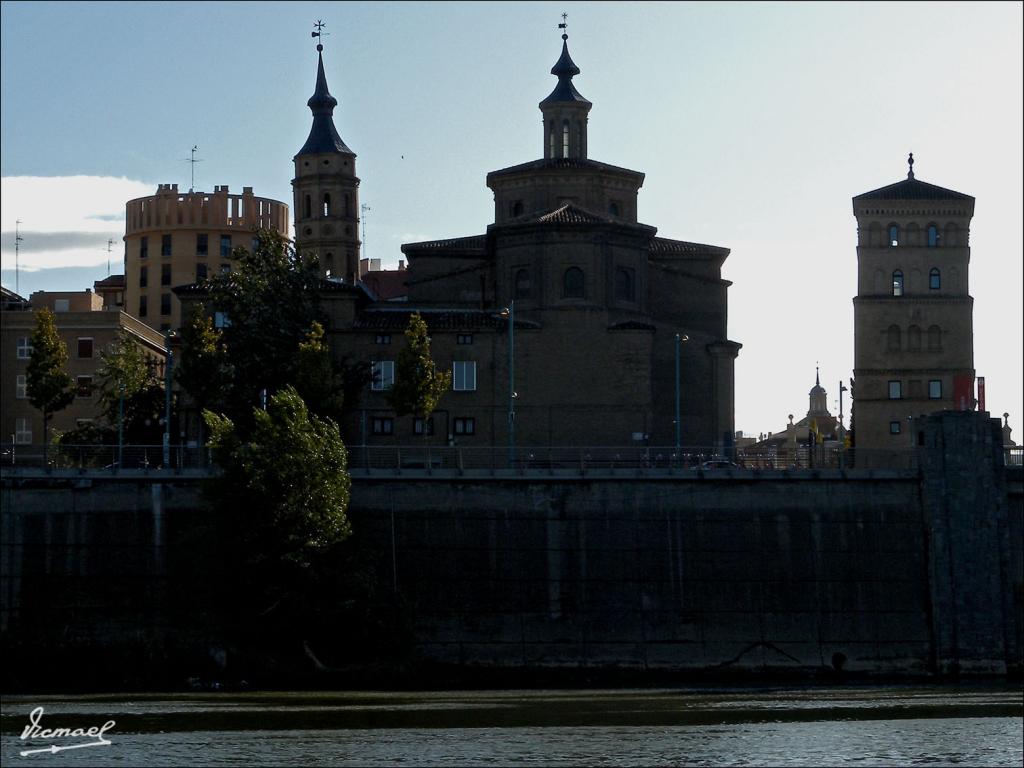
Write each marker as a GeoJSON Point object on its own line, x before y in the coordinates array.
{"type": "Point", "coordinates": [625, 284]}
{"type": "Point", "coordinates": [327, 204]}
{"type": "Point", "coordinates": [934, 279]}
{"type": "Point", "coordinates": [522, 284]}
{"type": "Point", "coordinates": [551, 139]}
{"type": "Point", "coordinates": [894, 235]}
{"type": "Point", "coordinates": [329, 263]}
{"type": "Point", "coordinates": [914, 338]}
{"type": "Point", "coordinates": [565, 138]}
{"type": "Point", "coordinates": [307, 207]}
{"type": "Point", "coordinates": [913, 231]}
{"type": "Point", "coordinates": [517, 208]}
{"type": "Point", "coordinates": [934, 338]}
{"type": "Point", "coordinates": [897, 283]}
{"type": "Point", "coordinates": [893, 338]}
{"type": "Point", "coordinates": [613, 208]}
{"type": "Point", "coordinates": [933, 235]}
{"type": "Point", "coordinates": [573, 284]}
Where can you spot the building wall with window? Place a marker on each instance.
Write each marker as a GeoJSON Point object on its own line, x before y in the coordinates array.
{"type": "Point", "coordinates": [87, 330]}
{"type": "Point", "coordinates": [174, 239]}
{"type": "Point", "coordinates": [913, 314]}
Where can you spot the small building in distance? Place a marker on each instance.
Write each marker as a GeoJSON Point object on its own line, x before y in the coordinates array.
{"type": "Point", "coordinates": [789, 446]}
{"type": "Point", "coordinates": [87, 330]}
{"type": "Point", "coordinates": [174, 238]}
{"type": "Point", "coordinates": [111, 290]}
{"type": "Point", "coordinates": [913, 313]}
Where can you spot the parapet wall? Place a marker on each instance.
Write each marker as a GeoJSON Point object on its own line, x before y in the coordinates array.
{"type": "Point", "coordinates": [898, 572]}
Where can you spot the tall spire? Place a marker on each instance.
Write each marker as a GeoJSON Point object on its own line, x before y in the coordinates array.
{"type": "Point", "coordinates": [910, 165]}
{"type": "Point", "coordinates": [565, 110]}
{"type": "Point", "coordinates": [323, 136]}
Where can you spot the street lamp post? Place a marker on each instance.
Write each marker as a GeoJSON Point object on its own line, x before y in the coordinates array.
{"type": "Point", "coordinates": [120, 428]}
{"type": "Point", "coordinates": [679, 338]}
{"type": "Point", "coordinates": [167, 402]}
{"type": "Point", "coordinates": [511, 383]}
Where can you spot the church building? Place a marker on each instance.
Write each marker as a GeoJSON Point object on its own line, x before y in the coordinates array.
{"type": "Point", "coordinates": [563, 323]}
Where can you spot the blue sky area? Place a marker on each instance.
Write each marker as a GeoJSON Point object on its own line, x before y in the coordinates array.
{"type": "Point", "coordinates": [754, 122]}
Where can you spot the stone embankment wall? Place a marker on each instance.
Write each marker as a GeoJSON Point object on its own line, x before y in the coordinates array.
{"type": "Point", "coordinates": [889, 572]}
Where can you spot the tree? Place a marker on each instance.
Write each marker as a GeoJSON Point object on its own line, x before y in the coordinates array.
{"type": "Point", "coordinates": [315, 377]}
{"type": "Point", "coordinates": [418, 385]}
{"type": "Point", "coordinates": [285, 481]}
{"type": "Point", "coordinates": [203, 369]}
{"type": "Point", "coordinates": [129, 373]}
{"type": "Point", "coordinates": [50, 387]}
{"type": "Point", "coordinates": [271, 300]}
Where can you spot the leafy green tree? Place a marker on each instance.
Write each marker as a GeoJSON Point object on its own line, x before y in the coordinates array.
{"type": "Point", "coordinates": [50, 387]}
{"type": "Point", "coordinates": [271, 300]}
{"type": "Point", "coordinates": [315, 377]}
{"type": "Point", "coordinates": [203, 368]}
{"type": "Point", "coordinates": [127, 371]}
{"type": "Point", "coordinates": [285, 481]}
{"type": "Point", "coordinates": [419, 385]}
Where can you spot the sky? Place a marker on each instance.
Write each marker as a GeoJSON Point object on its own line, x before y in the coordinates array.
{"type": "Point", "coordinates": [755, 124]}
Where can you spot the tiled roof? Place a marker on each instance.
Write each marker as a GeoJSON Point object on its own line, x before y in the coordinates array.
{"type": "Point", "coordinates": [662, 245]}
{"type": "Point", "coordinates": [436, 319]}
{"type": "Point", "coordinates": [571, 214]}
{"type": "Point", "coordinates": [471, 243]}
{"type": "Point", "coordinates": [912, 189]}
{"type": "Point", "coordinates": [387, 284]}
{"type": "Point", "coordinates": [559, 163]}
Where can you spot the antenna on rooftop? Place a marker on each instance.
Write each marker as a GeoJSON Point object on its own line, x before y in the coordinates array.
{"type": "Point", "coordinates": [110, 244]}
{"type": "Point", "coordinates": [17, 247]}
{"type": "Point", "coordinates": [363, 209]}
{"type": "Point", "coordinates": [193, 161]}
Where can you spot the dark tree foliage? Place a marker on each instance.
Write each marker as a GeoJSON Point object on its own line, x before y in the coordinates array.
{"type": "Point", "coordinates": [270, 298]}
{"type": "Point", "coordinates": [50, 388]}
{"type": "Point", "coordinates": [203, 369]}
{"type": "Point", "coordinates": [419, 385]}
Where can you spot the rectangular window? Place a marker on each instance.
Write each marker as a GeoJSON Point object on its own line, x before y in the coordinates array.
{"type": "Point", "coordinates": [21, 387]}
{"type": "Point", "coordinates": [221, 320]}
{"type": "Point", "coordinates": [225, 246]}
{"type": "Point", "coordinates": [143, 305]}
{"type": "Point", "coordinates": [165, 274]}
{"type": "Point", "coordinates": [202, 244]}
{"type": "Point", "coordinates": [23, 431]}
{"type": "Point", "coordinates": [83, 386]}
{"type": "Point", "coordinates": [935, 389]}
{"type": "Point", "coordinates": [383, 373]}
{"type": "Point", "coordinates": [465, 426]}
{"type": "Point", "coordinates": [144, 248]}
{"type": "Point", "coordinates": [84, 347]}
{"type": "Point", "coordinates": [464, 375]}
{"type": "Point", "coordinates": [895, 390]}
{"type": "Point", "coordinates": [24, 347]}
{"type": "Point", "coordinates": [894, 427]}
{"type": "Point", "coordinates": [200, 272]}
{"type": "Point", "coordinates": [165, 303]}
{"type": "Point", "coordinates": [165, 245]}
{"type": "Point", "coordinates": [383, 338]}
{"type": "Point", "coordinates": [383, 425]}
{"type": "Point", "coordinates": [464, 338]}
{"type": "Point", "coordinates": [61, 305]}
{"type": "Point", "coordinates": [143, 277]}
{"type": "Point", "coordinates": [417, 426]}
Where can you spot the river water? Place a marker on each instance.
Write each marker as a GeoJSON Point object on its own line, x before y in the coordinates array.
{"type": "Point", "coordinates": [779, 727]}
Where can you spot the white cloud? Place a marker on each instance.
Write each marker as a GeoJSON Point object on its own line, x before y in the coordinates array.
{"type": "Point", "coordinates": [65, 220]}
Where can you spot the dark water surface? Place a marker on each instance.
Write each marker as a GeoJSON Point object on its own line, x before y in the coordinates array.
{"type": "Point", "coordinates": [791, 727]}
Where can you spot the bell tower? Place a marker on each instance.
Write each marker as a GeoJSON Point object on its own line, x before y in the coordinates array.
{"type": "Point", "coordinates": [325, 187]}
{"type": "Point", "coordinates": [565, 110]}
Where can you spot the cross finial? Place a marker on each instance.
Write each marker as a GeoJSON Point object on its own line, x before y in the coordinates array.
{"type": "Point", "coordinates": [563, 25]}
{"type": "Point", "coordinates": [910, 162]}
{"type": "Point", "coordinates": [319, 33]}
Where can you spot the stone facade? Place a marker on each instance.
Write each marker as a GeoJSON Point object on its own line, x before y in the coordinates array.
{"type": "Point", "coordinates": [176, 239]}
{"type": "Point", "coordinates": [913, 314]}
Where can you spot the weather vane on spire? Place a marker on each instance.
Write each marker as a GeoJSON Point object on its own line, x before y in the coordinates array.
{"type": "Point", "coordinates": [563, 25]}
{"type": "Point", "coordinates": [910, 162]}
{"type": "Point", "coordinates": [319, 34]}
